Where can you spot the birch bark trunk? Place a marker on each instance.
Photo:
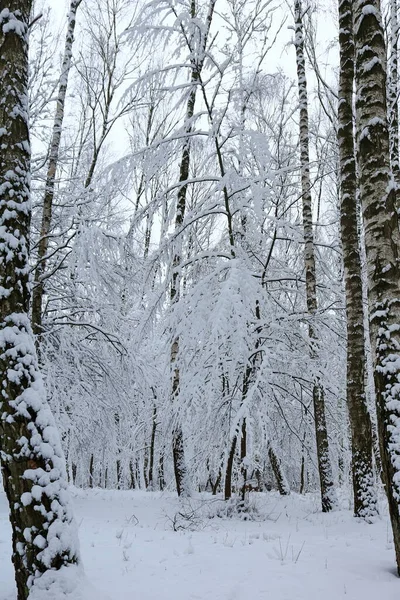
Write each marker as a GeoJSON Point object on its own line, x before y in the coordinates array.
{"type": "Point", "coordinates": [197, 62]}
{"type": "Point", "coordinates": [365, 499]}
{"type": "Point", "coordinates": [38, 290]}
{"type": "Point", "coordinates": [328, 496]}
{"type": "Point", "coordinates": [32, 462]}
{"type": "Point", "coordinates": [393, 94]}
{"type": "Point", "coordinates": [382, 241]}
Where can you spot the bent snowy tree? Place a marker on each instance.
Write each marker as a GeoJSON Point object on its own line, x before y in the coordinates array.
{"type": "Point", "coordinates": [31, 457]}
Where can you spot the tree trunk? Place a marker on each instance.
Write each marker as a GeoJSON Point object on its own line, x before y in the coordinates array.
{"type": "Point", "coordinates": [33, 465]}
{"type": "Point", "coordinates": [91, 471]}
{"type": "Point", "coordinates": [243, 461]}
{"type": "Point", "coordinates": [382, 241]}
{"type": "Point", "coordinates": [229, 470]}
{"type": "Point", "coordinates": [302, 472]}
{"type": "Point", "coordinates": [197, 63]}
{"type": "Point", "coordinates": [132, 474]}
{"type": "Point", "coordinates": [161, 476]}
{"type": "Point", "coordinates": [281, 481]}
{"type": "Point", "coordinates": [119, 474]}
{"type": "Point", "coordinates": [152, 445]}
{"type": "Point", "coordinates": [393, 95]}
{"type": "Point", "coordinates": [328, 496]}
{"type": "Point", "coordinates": [216, 484]}
{"type": "Point", "coordinates": [38, 290]}
{"type": "Point", "coordinates": [365, 498]}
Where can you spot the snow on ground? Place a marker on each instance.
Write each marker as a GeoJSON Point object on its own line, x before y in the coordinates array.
{"type": "Point", "coordinates": [290, 552]}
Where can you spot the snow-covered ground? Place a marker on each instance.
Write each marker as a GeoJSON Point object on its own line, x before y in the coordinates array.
{"type": "Point", "coordinates": [290, 552]}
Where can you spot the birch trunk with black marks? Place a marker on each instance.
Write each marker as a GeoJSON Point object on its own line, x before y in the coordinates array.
{"type": "Point", "coordinates": [32, 462]}
{"type": "Point", "coordinates": [365, 498]}
{"type": "Point", "coordinates": [393, 95]}
{"type": "Point", "coordinates": [152, 447]}
{"type": "Point", "coordinates": [47, 211]}
{"type": "Point", "coordinates": [382, 241]}
{"type": "Point", "coordinates": [197, 61]}
{"type": "Point", "coordinates": [328, 496]}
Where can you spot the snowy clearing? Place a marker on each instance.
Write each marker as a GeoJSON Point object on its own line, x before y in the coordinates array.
{"type": "Point", "coordinates": [292, 552]}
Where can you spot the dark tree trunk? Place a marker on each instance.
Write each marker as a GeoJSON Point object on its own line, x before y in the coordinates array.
{"type": "Point", "coordinates": [281, 481]}
{"type": "Point", "coordinates": [382, 241]}
{"type": "Point", "coordinates": [229, 470]}
{"type": "Point", "coordinates": [132, 474]}
{"type": "Point", "coordinates": [365, 499]}
{"type": "Point", "coordinates": [32, 462]}
{"type": "Point", "coordinates": [91, 471]}
{"type": "Point", "coordinates": [118, 465]}
{"type": "Point", "coordinates": [161, 476]}
{"type": "Point", "coordinates": [243, 462]}
{"type": "Point", "coordinates": [302, 473]}
{"type": "Point", "coordinates": [393, 95]}
{"type": "Point", "coordinates": [216, 484]}
{"type": "Point", "coordinates": [152, 445]}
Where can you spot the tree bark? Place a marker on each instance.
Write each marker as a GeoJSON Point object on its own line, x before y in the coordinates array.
{"type": "Point", "coordinates": [281, 481]}
{"type": "Point", "coordinates": [33, 465]}
{"type": "Point", "coordinates": [229, 470]}
{"type": "Point", "coordinates": [91, 471]}
{"type": "Point", "coordinates": [152, 447]}
{"type": "Point", "coordinates": [47, 211]}
{"type": "Point", "coordinates": [393, 95]}
{"type": "Point", "coordinates": [328, 496]}
{"type": "Point", "coordinates": [243, 462]}
{"type": "Point", "coordinates": [382, 241]}
{"type": "Point", "coordinates": [365, 498]}
{"type": "Point", "coordinates": [197, 63]}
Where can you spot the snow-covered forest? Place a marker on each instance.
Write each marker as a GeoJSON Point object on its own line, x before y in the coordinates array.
{"type": "Point", "coordinates": [199, 292]}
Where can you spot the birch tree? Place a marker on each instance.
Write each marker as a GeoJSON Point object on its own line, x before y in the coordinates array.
{"type": "Point", "coordinates": [197, 43]}
{"type": "Point", "coordinates": [32, 461]}
{"type": "Point", "coordinates": [324, 464]}
{"type": "Point", "coordinates": [47, 210]}
{"type": "Point", "coordinates": [365, 500]}
{"type": "Point", "coordinates": [393, 92]}
{"type": "Point", "coordinates": [382, 241]}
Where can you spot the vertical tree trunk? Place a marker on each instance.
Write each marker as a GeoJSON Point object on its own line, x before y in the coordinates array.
{"type": "Point", "coordinates": [216, 484]}
{"type": "Point", "coordinates": [302, 472]}
{"type": "Point", "coordinates": [32, 462]}
{"type": "Point", "coordinates": [382, 241]}
{"type": "Point", "coordinates": [161, 476]}
{"type": "Point", "coordinates": [229, 470]}
{"type": "Point", "coordinates": [132, 474]}
{"type": "Point", "coordinates": [152, 446]}
{"type": "Point", "coordinates": [365, 499]}
{"type": "Point", "coordinates": [243, 462]}
{"type": "Point", "coordinates": [393, 95]}
{"type": "Point", "coordinates": [74, 470]}
{"type": "Point", "coordinates": [328, 496]}
{"type": "Point", "coordinates": [281, 481]}
{"type": "Point", "coordinates": [197, 62]}
{"type": "Point", "coordinates": [91, 471]}
{"type": "Point", "coordinates": [38, 290]}
{"type": "Point", "coordinates": [119, 474]}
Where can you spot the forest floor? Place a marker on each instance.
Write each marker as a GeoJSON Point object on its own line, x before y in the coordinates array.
{"type": "Point", "coordinates": [290, 551]}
